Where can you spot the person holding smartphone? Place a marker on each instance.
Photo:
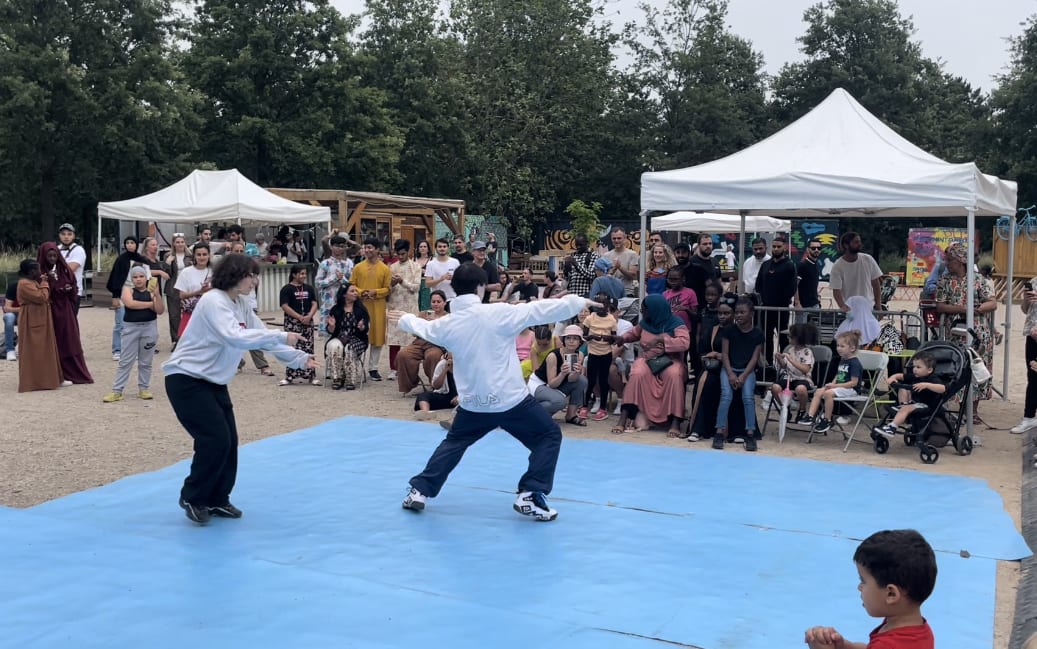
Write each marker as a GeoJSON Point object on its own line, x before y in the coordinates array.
{"type": "Point", "coordinates": [143, 304]}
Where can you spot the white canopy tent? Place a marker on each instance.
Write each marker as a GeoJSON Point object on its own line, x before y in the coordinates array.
{"type": "Point", "coordinates": [208, 197]}
{"type": "Point", "coordinates": [837, 160]}
{"type": "Point", "coordinates": [719, 223]}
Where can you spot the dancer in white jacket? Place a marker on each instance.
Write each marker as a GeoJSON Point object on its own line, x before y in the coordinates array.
{"type": "Point", "coordinates": [492, 394]}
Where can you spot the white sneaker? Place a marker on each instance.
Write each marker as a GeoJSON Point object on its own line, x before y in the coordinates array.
{"type": "Point", "coordinates": [12, 355]}
{"type": "Point", "coordinates": [842, 420]}
{"type": "Point", "coordinates": [392, 375]}
{"type": "Point", "coordinates": [619, 408]}
{"type": "Point", "coordinates": [534, 503]}
{"type": "Point", "coordinates": [415, 500]}
{"type": "Point", "coordinates": [595, 408]}
{"type": "Point", "coordinates": [116, 356]}
{"type": "Point", "coordinates": [1025, 424]}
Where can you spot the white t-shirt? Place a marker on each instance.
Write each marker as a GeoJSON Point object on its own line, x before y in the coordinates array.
{"type": "Point", "coordinates": [75, 254]}
{"type": "Point", "coordinates": [296, 252]}
{"type": "Point", "coordinates": [750, 271]}
{"type": "Point", "coordinates": [435, 269]}
{"type": "Point", "coordinates": [854, 278]}
{"type": "Point", "coordinates": [623, 326]}
{"type": "Point", "coordinates": [191, 279]}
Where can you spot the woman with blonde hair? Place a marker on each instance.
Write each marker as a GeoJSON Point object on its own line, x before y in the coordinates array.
{"type": "Point", "coordinates": [177, 259]}
{"type": "Point", "coordinates": [660, 262]}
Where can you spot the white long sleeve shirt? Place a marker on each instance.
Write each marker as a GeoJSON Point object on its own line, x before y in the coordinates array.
{"type": "Point", "coordinates": [482, 339]}
{"type": "Point", "coordinates": [219, 331]}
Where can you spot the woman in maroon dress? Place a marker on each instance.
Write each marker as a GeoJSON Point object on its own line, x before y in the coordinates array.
{"type": "Point", "coordinates": [63, 296]}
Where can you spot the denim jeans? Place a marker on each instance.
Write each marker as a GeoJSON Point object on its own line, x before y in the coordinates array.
{"type": "Point", "coordinates": [10, 320]}
{"type": "Point", "coordinates": [117, 330]}
{"type": "Point", "coordinates": [727, 395]}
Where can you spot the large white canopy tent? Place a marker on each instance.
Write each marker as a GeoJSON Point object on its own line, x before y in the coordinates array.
{"type": "Point", "coordinates": [208, 197]}
{"type": "Point", "coordinates": [837, 160]}
{"type": "Point", "coordinates": [719, 223]}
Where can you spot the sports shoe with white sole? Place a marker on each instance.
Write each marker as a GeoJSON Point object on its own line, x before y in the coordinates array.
{"type": "Point", "coordinates": [199, 515]}
{"type": "Point", "coordinates": [225, 510]}
{"type": "Point", "coordinates": [415, 500]}
{"type": "Point", "coordinates": [595, 408]}
{"type": "Point", "coordinates": [534, 503]}
{"type": "Point", "coordinates": [12, 355]}
{"type": "Point", "coordinates": [1025, 424]}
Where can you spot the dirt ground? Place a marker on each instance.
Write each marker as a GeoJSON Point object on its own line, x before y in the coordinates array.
{"type": "Point", "coordinates": [56, 443]}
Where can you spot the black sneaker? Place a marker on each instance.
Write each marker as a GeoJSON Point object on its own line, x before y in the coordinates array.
{"type": "Point", "coordinates": [803, 419]}
{"type": "Point", "coordinates": [750, 443]}
{"type": "Point", "coordinates": [822, 425]}
{"type": "Point", "coordinates": [445, 424]}
{"type": "Point", "coordinates": [375, 376]}
{"type": "Point", "coordinates": [199, 515]}
{"type": "Point", "coordinates": [718, 442]}
{"type": "Point", "coordinates": [226, 510]}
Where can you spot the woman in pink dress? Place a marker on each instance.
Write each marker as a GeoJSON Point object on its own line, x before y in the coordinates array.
{"type": "Point", "coordinates": [649, 398]}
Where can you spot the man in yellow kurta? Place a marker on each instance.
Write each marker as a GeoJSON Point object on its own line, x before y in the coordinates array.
{"type": "Point", "coordinates": [372, 278]}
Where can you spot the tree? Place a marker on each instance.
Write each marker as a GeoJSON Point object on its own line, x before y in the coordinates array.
{"type": "Point", "coordinates": [91, 106]}
{"type": "Point", "coordinates": [1014, 151]}
{"type": "Point", "coordinates": [406, 56]}
{"type": "Point", "coordinates": [538, 78]}
{"type": "Point", "coordinates": [705, 84]}
{"type": "Point", "coordinates": [284, 100]}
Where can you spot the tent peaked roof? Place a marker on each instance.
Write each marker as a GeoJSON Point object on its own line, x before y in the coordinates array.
{"type": "Point", "coordinates": [206, 196]}
{"type": "Point", "coordinates": [836, 159]}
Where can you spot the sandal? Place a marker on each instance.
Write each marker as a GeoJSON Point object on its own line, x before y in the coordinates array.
{"type": "Point", "coordinates": [350, 386]}
{"type": "Point", "coordinates": [285, 382]}
{"type": "Point", "coordinates": [316, 382]}
{"type": "Point", "coordinates": [673, 433]}
{"type": "Point", "coordinates": [617, 430]}
{"type": "Point", "coordinates": [266, 372]}
{"type": "Point", "coordinates": [576, 420]}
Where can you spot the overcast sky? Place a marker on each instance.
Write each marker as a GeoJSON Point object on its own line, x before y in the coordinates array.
{"type": "Point", "coordinates": [968, 36]}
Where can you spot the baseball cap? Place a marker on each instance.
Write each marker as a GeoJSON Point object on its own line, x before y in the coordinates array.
{"type": "Point", "coordinates": [67, 226]}
{"type": "Point", "coordinates": [479, 245]}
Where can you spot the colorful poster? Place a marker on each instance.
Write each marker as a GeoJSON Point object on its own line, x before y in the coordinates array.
{"type": "Point", "coordinates": [925, 245]}
{"type": "Point", "coordinates": [824, 230]}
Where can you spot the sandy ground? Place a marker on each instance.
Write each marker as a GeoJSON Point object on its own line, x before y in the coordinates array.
{"type": "Point", "coordinates": [56, 443]}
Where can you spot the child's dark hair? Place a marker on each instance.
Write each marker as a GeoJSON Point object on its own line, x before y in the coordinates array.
{"type": "Point", "coordinates": [542, 332]}
{"type": "Point", "coordinates": [746, 302]}
{"type": "Point", "coordinates": [467, 278]}
{"type": "Point", "coordinates": [803, 333]}
{"type": "Point", "coordinates": [902, 558]}
{"type": "Point", "coordinates": [606, 301]}
{"type": "Point", "coordinates": [852, 338]}
{"type": "Point", "coordinates": [926, 358]}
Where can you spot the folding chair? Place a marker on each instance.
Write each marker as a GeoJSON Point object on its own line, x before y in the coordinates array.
{"type": "Point", "coordinates": [327, 368]}
{"type": "Point", "coordinates": [874, 364]}
{"type": "Point", "coordinates": [822, 359]}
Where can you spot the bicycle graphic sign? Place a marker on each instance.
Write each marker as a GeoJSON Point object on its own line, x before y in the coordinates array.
{"type": "Point", "coordinates": [925, 246]}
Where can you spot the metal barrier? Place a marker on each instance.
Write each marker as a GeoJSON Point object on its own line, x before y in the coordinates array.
{"type": "Point", "coordinates": [770, 318]}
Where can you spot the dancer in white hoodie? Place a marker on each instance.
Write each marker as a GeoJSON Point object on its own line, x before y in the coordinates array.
{"type": "Point", "coordinates": [492, 394]}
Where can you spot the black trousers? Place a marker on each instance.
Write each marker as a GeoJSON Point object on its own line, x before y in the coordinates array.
{"type": "Point", "coordinates": [527, 422]}
{"type": "Point", "coordinates": [1030, 405]}
{"type": "Point", "coordinates": [206, 412]}
{"type": "Point", "coordinates": [598, 375]}
{"type": "Point", "coordinates": [771, 321]}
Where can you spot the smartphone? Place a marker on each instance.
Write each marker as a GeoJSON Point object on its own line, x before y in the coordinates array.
{"type": "Point", "coordinates": [572, 359]}
{"type": "Point", "coordinates": [152, 283]}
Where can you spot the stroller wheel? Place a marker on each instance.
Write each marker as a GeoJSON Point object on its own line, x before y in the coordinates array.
{"type": "Point", "coordinates": [881, 444]}
{"type": "Point", "coordinates": [910, 439]}
{"type": "Point", "coordinates": [965, 446]}
{"type": "Point", "coordinates": [928, 454]}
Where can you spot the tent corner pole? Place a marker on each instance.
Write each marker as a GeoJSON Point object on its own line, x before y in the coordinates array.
{"type": "Point", "coordinates": [1009, 293]}
{"type": "Point", "coordinates": [741, 252]}
{"type": "Point", "coordinates": [970, 304]}
{"type": "Point", "coordinates": [641, 265]}
{"type": "Point", "coordinates": [97, 260]}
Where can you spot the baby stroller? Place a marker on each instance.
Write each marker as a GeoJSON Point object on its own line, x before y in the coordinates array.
{"type": "Point", "coordinates": [932, 428]}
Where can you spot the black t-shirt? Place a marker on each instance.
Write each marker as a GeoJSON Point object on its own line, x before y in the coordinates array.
{"type": "Point", "coordinates": [697, 273]}
{"type": "Point", "coordinates": [776, 282]}
{"type": "Point", "coordinates": [741, 344]}
{"type": "Point", "coordinates": [12, 293]}
{"type": "Point", "coordinates": [526, 292]}
{"type": "Point", "coordinates": [492, 277]}
{"type": "Point", "coordinates": [809, 274]}
{"type": "Point", "coordinates": [299, 298]}
{"type": "Point", "coordinates": [462, 257]}
{"type": "Point", "coordinates": [928, 397]}
{"type": "Point", "coordinates": [140, 315]}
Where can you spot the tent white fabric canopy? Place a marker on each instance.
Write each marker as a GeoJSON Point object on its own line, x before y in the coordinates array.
{"type": "Point", "coordinates": [710, 222]}
{"type": "Point", "coordinates": [838, 159]}
{"type": "Point", "coordinates": [213, 196]}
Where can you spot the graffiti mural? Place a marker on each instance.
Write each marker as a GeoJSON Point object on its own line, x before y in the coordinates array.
{"type": "Point", "coordinates": [559, 241]}
{"type": "Point", "coordinates": [925, 245]}
{"type": "Point", "coordinates": [824, 230]}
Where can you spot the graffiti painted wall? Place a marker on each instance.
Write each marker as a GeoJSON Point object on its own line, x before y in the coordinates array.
{"type": "Point", "coordinates": [476, 227]}
{"type": "Point", "coordinates": [825, 230]}
{"type": "Point", "coordinates": [925, 245]}
{"type": "Point", "coordinates": [558, 241]}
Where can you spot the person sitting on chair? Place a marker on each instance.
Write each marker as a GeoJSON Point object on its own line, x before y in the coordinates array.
{"type": "Point", "coordinates": [443, 394]}
{"type": "Point", "coordinates": [420, 353]}
{"type": "Point", "coordinates": [921, 392]}
{"type": "Point", "coordinates": [348, 324]}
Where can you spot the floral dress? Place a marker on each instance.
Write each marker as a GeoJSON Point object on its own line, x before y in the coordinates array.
{"type": "Point", "coordinates": [328, 284]}
{"type": "Point", "coordinates": [345, 359]}
{"type": "Point", "coordinates": [403, 298]}
{"type": "Point", "coordinates": [424, 293]}
{"type": "Point", "coordinates": [951, 289]}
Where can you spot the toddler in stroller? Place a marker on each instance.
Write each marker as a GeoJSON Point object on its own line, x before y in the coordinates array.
{"type": "Point", "coordinates": [937, 372]}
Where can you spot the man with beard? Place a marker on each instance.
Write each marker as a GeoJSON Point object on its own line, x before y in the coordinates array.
{"type": "Point", "coordinates": [579, 268]}
{"type": "Point", "coordinates": [855, 273]}
{"type": "Point", "coordinates": [752, 265]}
{"type": "Point", "coordinates": [625, 262]}
{"type": "Point", "coordinates": [480, 259]}
{"type": "Point", "coordinates": [776, 285]}
{"type": "Point", "coordinates": [809, 274]}
{"type": "Point", "coordinates": [701, 268]}
{"type": "Point", "coordinates": [461, 254]}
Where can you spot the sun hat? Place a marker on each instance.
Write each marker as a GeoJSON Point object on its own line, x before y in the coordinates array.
{"type": "Point", "coordinates": [573, 330]}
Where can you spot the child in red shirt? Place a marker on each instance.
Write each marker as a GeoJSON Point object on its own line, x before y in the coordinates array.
{"type": "Point", "coordinates": [883, 559]}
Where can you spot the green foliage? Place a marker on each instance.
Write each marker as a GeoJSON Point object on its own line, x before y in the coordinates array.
{"type": "Point", "coordinates": [1014, 147]}
{"type": "Point", "coordinates": [585, 219]}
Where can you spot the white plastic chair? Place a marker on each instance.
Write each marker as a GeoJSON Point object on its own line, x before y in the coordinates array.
{"type": "Point", "coordinates": [873, 363]}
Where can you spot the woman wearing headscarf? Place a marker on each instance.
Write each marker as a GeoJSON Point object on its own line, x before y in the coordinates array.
{"type": "Point", "coordinates": [951, 303]}
{"type": "Point", "coordinates": [656, 398]}
{"type": "Point", "coordinates": [64, 295]}
{"type": "Point", "coordinates": [38, 365]}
